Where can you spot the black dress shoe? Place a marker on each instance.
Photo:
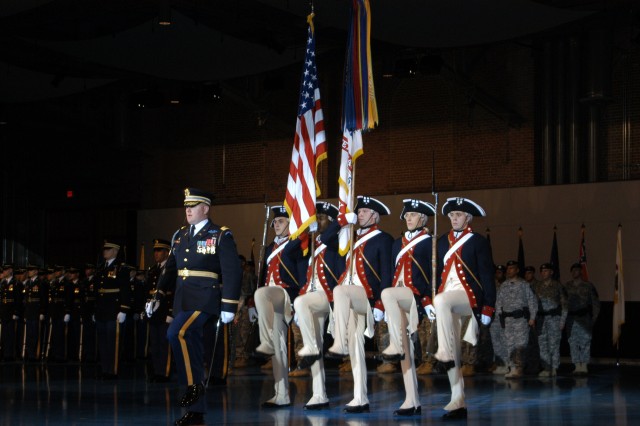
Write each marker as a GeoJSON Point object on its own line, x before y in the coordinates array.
{"type": "Point", "coordinates": [393, 357]}
{"type": "Point", "coordinates": [460, 413]}
{"type": "Point", "coordinates": [268, 404]}
{"type": "Point", "coordinates": [447, 365]}
{"type": "Point", "coordinates": [321, 406]}
{"type": "Point", "coordinates": [333, 355]}
{"type": "Point", "coordinates": [193, 393]}
{"type": "Point", "coordinates": [307, 361]}
{"type": "Point", "coordinates": [190, 418]}
{"type": "Point", "coordinates": [408, 411]}
{"type": "Point", "coordinates": [355, 409]}
{"type": "Point", "coordinates": [260, 356]}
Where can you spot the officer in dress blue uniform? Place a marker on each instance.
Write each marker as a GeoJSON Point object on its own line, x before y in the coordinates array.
{"type": "Point", "coordinates": [159, 348]}
{"type": "Point", "coordinates": [411, 256]}
{"type": "Point", "coordinates": [283, 274]}
{"type": "Point", "coordinates": [87, 312]}
{"type": "Point", "coordinates": [10, 311]}
{"type": "Point", "coordinates": [113, 302]}
{"type": "Point", "coordinates": [208, 284]}
{"type": "Point", "coordinates": [367, 273]}
{"type": "Point", "coordinates": [466, 287]}
{"type": "Point", "coordinates": [312, 306]}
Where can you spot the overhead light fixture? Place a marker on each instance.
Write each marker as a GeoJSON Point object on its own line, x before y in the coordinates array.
{"type": "Point", "coordinates": [164, 13]}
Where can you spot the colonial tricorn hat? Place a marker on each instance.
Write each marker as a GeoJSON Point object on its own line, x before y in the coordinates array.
{"type": "Point", "coordinates": [418, 206]}
{"type": "Point", "coordinates": [279, 211]}
{"type": "Point", "coordinates": [160, 244]}
{"type": "Point", "coordinates": [460, 204]}
{"type": "Point", "coordinates": [366, 202]}
{"type": "Point", "coordinates": [195, 196]}
{"type": "Point", "coordinates": [327, 208]}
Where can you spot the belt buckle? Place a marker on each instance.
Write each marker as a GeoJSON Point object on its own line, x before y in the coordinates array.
{"type": "Point", "coordinates": [185, 272]}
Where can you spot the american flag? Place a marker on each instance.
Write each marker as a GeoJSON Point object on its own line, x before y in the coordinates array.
{"type": "Point", "coordinates": [582, 256]}
{"type": "Point", "coordinates": [351, 150]}
{"type": "Point", "coordinates": [309, 147]}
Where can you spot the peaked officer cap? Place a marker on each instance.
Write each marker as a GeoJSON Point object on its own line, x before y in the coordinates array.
{"type": "Point", "coordinates": [460, 204]}
{"type": "Point", "coordinates": [160, 244]}
{"type": "Point", "coordinates": [194, 196]}
{"type": "Point", "coordinates": [418, 206]}
{"type": "Point", "coordinates": [109, 244]}
{"type": "Point", "coordinates": [366, 202]}
{"type": "Point", "coordinates": [327, 208]}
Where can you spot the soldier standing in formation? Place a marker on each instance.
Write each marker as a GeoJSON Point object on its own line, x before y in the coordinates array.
{"type": "Point", "coordinates": [584, 307]}
{"type": "Point", "coordinates": [159, 322]}
{"type": "Point", "coordinates": [56, 349]}
{"type": "Point", "coordinates": [497, 335]}
{"type": "Point", "coordinates": [207, 284]}
{"type": "Point", "coordinates": [113, 298]}
{"type": "Point", "coordinates": [412, 256]}
{"type": "Point", "coordinates": [10, 311]}
{"type": "Point", "coordinates": [283, 274]}
{"type": "Point", "coordinates": [74, 297]}
{"type": "Point", "coordinates": [368, 273]}
{"type": "Point", "coordinates": [87, 313]}
{"type": "Point", "coordinates": [551, 319]}
{"type": "Point", "coordinates": [517, 307]}
{"type": "Point", "coordinates": [36, 298]}
{"type": "Point", "coordinates": [466, 288]}
{"type": "Point", "coordinates": [312, 306]}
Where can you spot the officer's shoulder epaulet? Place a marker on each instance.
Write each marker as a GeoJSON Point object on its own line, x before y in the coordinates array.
{"type": "Point", "coordinates": [183, 227]}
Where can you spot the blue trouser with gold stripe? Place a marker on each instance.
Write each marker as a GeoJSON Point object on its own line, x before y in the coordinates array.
{"type": "Point", "coordinates": [185, 335]}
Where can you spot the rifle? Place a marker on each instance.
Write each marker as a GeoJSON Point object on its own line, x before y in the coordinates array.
{"type": "Point", "coordinates": [432, 343]}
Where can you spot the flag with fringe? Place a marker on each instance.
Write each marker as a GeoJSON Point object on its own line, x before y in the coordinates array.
{"type": "Point", "coordinates": [359, 111]}
{"type": "Point", "coordinates": [309, 148]}
{"type": "Point", "coordinates": [618, 292]}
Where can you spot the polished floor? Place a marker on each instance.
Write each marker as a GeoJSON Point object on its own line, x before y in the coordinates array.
{"type": "Point", "coordinates": [69, 394]}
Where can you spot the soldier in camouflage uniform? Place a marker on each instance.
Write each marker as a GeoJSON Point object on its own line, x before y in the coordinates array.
{"type": "Point", "coordinates": [584, 307]}
{"type": "Point", "coordinates": [552, 314]}
{"type": "Point", "coordinates": [533, 348]}
{"type": "Point", "coordinates": [497, 334]}
{"type": "Point", "coordinates": [516, 306]}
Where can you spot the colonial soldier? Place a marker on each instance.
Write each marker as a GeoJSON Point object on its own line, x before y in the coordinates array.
{"type": "Point", "coordinates": [113, 302]}
{"type": "Point", "coordinates": [312, 306]}
{"type": "Point", "coordinates": [158, 323]}
{"type": "Point", "coordinates": [36, 298]}
{"type": "Point", "coordinates": [87, 313]}
{"type": "Point", "coordinates": [411, 286]}
{"type": "Point", "coordinates": [10, 312]}
{"type": "Point", "coordinates": [283, 273]}
{"type": "Point", "coordinates": [74, 298]}
{"type": "Point", "coordinates": [552, 314]}
{"type": "Point", "coordinates": [465, 288]}
{"type": "Point", "coordinates": [517, 306]}
{"type": "Point", "coordinates": [500, 354]}
{"type": "Point", "coordinates": [207, 284]}
{"type": "Point", "coordinates": [56, 339]}
{"type": "Point", "coordinates": [368, 273]}
{"type": "Point", "coordinates": [584, 307]}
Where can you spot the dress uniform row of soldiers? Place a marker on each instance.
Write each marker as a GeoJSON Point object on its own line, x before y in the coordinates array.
{"type": "Point", "coordinates": [60, 314]}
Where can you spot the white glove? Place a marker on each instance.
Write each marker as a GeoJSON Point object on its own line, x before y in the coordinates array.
{"type": "Point", "coordinates": [386, 317]}
{"type": "Point", "coordinates": [227, 317]}
{"type": "Point", "coordinates": [41, 317]}
{"type": "Point", "coordinates": [485, 319]}
{"type": "Point", "coordinates": [136, 317]}
{"type": "Point", "coordinates": [93, 317]}
{"type": "Point", "coordinates": [67, 317]}
{"type": "Point", "coordinates": [151, 306]}
{"type": "Point", "coordinates": [351, 218]}
{"type": "Point", "coordinates": [121, 317]}
{"type": "Point", "coordinates": [169, 319]}
{"type": "Point", "coordinates": [431, 312]}
{"type": "Point", "coordinates": [378, 315]}
{"type": "Point", "coordinates": [15, 317]}
{"type": "Point", "coordinates": [295, 319]}
{"type": "Point", "coordinates": [253, 314]}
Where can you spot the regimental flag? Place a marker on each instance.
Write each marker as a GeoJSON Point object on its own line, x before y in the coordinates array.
{"type": "Point", "coordinates": [554, 258]}
{"type": "Point", "coordinates": [309, 147]}
{"type": "Point", "coordinates": [351, 150]}
{"type": "Point", "coordinates": [141, 264]}
{"type": "Point", "coordinates": [582, 256]}
{"type": "Point", "coordinates": [521, 262]}
{"type": "Point", "coordinates": [618, 292]}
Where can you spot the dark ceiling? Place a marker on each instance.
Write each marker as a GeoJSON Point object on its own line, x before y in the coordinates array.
{"type": "Point", "coordinates": [53, 48]}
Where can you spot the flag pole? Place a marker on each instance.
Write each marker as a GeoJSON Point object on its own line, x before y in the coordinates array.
{"type": "Point", "coordinates": [352, 201]}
